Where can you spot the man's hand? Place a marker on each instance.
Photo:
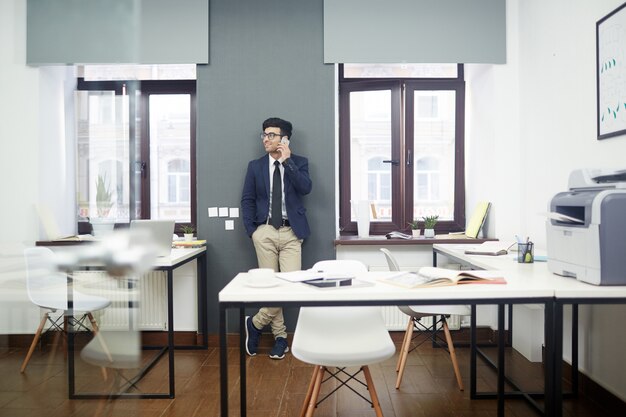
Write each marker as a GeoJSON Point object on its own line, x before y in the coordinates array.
{"type": "Point", "coordinates": [285, 152]}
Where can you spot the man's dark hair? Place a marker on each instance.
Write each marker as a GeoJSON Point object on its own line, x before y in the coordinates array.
{"type": "Point", "coordinates": [284, 126]}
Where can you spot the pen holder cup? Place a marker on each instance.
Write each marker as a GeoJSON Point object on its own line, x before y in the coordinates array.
{"type": "Point", "coordinates": [525, 253]}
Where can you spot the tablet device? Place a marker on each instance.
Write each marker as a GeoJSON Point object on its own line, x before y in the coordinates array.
{"type": "Point", "coordinates": [329, 283]}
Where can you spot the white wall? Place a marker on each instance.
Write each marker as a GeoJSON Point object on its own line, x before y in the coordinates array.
{"type": "Point", "coordinates": [19, 165]}
{"type": "Point", "coordinates": [19, 113]}
{"type": "Point", "coordinates": [533, 120]}
{"type": "Point", "coordinates": [493, 146]}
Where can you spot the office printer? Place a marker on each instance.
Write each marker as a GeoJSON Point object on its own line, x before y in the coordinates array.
{"type": "Point", "coordinates": [586, 228]}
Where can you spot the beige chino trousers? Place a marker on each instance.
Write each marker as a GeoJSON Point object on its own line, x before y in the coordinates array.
{"type": "Point", "coordinates": [281, 250]}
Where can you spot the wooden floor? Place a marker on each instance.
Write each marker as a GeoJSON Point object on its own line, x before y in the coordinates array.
{"type": "Point", "coordinates": [275, 388]}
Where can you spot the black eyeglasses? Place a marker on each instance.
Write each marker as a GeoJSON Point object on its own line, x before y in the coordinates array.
{"type": "Point", "coordinates": [270, 135]}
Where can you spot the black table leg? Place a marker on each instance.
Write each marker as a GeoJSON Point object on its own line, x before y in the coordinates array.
{"type": "Point", "coordinates": [223, 364]}
{"type": "Point", "coordinates": [501, 342]}
{"type": "Point", "coordinates": [473, 352]}
{"type": "Point", "coordinates": [242, 360]}
{"type": "Point", "coordinates": [170, 329]}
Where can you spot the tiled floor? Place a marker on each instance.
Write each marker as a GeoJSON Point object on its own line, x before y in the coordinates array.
{"type": "Point", "coordinates": [275, 388]}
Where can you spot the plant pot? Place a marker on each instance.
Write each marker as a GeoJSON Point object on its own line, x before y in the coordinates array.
{"type": "Point", "coordinates": [429, 233]}
{"type": "Point", "coordinates": [102, 226]}
{"type": "Point", "coordinates": [188, 237]}
{"type": "Point", "coordinates": [416, 232]}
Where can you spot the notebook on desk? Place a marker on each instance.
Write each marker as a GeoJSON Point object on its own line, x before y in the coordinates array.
{"type": "Point", "coordinates": [157, 233]}
{"type": "Point", "coordinates": [477, 220]}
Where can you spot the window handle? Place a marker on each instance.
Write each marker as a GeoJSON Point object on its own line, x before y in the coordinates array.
{"type": "Point", "coordinates": [409, 157]}
{"type": "Point", "coordinates": [142, 168]}
{"type": "Point", "coordinates": [393, 162]}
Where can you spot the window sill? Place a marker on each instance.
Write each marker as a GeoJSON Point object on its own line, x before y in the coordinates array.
{"type": "Point", "coordinates": [381, 240]}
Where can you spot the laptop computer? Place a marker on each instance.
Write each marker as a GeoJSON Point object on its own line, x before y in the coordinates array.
{"type": "Point", "coordinates": [157, 233]}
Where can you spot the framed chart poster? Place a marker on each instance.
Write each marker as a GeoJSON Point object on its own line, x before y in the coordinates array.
{"type": "Point", "coordinates": [611, 73]}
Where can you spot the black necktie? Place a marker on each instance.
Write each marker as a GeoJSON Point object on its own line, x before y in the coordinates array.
{"type": "Point", "coordinates": [277, 198]}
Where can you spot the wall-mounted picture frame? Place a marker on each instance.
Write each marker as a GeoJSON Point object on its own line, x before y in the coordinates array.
{"type": "Point", "coordinates": [611, 73]}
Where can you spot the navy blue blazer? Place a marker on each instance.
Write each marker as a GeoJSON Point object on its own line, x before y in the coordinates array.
{"type": "Point", "coordinates": [255, 198]}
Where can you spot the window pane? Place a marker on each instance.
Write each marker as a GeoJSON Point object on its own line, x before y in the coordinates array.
{"type": "Point", "coordinates": [170, 131]}
{"type": "Point", "coordinates": [102, 150]}
{"type": "Point", "coordinates": [370, 144]}
{"type": "Point", "coordinates": [434, 137]}
{"type": "Point", "coordinates": [400, 71]}
{"type": "Point", "coordinates": [178, 181]}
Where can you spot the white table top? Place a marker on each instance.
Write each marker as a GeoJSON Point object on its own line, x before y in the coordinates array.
{"type": "Point", "coordinates": [178, 256]}
{"type": "Point", "coordinates": [238, 290]}
{"type": "Point", "coordinates": [563, 287]}
{"type": "Point", "coordinates": [524, 281]}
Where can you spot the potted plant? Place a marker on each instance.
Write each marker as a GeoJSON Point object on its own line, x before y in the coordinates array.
{"type": "Point", "coordinates": [429, 225]}
{"type": "Point", "coordinates": [102, 224]}
{"type": "Point", "coordinates": [188, 232]}
{"type": "Point", "coordinates": [415, 228]}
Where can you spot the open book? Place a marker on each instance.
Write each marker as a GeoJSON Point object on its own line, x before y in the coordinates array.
{"type": "Point", "coordinates": [436, 277]}
{"type": "Point", "coordinates": [493, 248]}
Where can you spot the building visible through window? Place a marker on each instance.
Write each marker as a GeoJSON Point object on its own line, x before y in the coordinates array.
{"type": "Point", "coordinates": [137, 133]}
{"type": "Point", "coordinates": [401, 144]}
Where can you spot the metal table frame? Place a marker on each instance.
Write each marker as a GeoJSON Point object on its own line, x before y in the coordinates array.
{"type": "Point", "coordinates": [201, 282]}
{"type": "Point", "coordinates": [501, 302]}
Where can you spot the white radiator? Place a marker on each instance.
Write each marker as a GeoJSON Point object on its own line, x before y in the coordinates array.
{"type": "Point", "coordinates": [150, 291]}
{"type": "Point", "coordinates": [397, 320]}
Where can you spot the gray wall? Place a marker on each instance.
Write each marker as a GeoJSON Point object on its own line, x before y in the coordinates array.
{"type": "Point", "coordinates": [266, 60]}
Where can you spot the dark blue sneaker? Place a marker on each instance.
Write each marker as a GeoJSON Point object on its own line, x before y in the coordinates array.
{"type": "Point", "coordinates": [252, 337]}
{"type": "Point", "coordinates": [279, 349]}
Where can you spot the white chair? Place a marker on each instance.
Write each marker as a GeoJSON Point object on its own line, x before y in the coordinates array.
{"type": "Point", "coordinates": [47, 288]}
{"type": "Point", "coordinates": [340, 337]}
{"type": "Point", "coordinates": [116, 350]}
{"type": "Point", "coordinates": [416, 313]}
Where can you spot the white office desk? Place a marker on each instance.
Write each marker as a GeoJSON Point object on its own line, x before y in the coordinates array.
{"type": "Point", "coordinates": [178, 257]}
{"type": "Point", "coordinates": [565, 291]}
{"type": "Point", "coordinates": [574, 292]}
{"type": "Point", "coordinates": [236, 295]}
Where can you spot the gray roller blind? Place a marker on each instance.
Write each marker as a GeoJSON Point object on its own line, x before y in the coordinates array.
{"type": "Point", "coordinates": [429, 31]}
{"type": "Point", "coordinates": [117, 31]}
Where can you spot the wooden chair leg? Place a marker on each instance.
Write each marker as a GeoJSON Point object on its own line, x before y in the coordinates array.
{"type": "Point", "coordinates": [372, 390]}
{"type": "Point", "coordinates": [316, 392]}
{"type": "Point", "coordinates": [94, 323]}
{"type": "Point", "coordinates": [455, 364]}
{"type": "Point", "coordinates": [309, 392]}
{"type": "Point", "coordinates": [96, 333]}
{"type": "Point", "coordinates": [405, 353]}
{"type": "Point", "coordinates": [404, 341]}
{"type": "Point", "coordinates": [65, 326]}
{"type": "Point", "coordinates": [35, 340]}
{"type": "Point", "coordinates": [55, 343]}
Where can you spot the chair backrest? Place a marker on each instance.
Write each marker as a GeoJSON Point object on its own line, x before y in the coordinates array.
{"type": "Point", "coordinates": [43, 281]}
{"type": "Point", "coordinates": [391, 261]}
{"type": "Point", "coordinates": [340, 266]}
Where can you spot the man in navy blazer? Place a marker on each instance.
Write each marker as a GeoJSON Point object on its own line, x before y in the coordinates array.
{"type": "Point", "coordinates": [277, 232]}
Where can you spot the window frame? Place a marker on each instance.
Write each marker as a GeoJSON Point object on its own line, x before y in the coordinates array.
{"type": "Point", "coordinates": [139, 119]}
{"type": "Point", "coordinates": [402, 149]}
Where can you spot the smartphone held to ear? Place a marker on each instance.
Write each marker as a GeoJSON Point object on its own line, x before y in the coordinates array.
{"type": "Point", "coordinates": [284, 140]}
